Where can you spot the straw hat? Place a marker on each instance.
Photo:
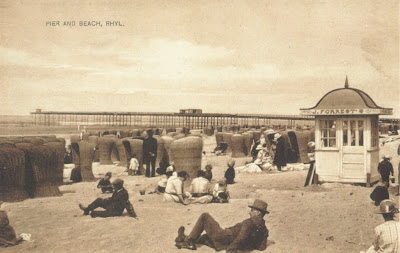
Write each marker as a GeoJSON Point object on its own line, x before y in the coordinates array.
{"type": "Point", "coordinates": [387, 157]}
{"type": "Point", "coordinates": [387, 206]}
{"type": "Point", "coordinates": [277, 136]}
{"type": "Point", "coordinates": [231, 163]}
{"type": "Point", "coordinates": [260, 206]}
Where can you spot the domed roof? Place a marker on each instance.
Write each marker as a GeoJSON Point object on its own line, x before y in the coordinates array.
{"type": "Point", "coordinates": [346, 98]}
{"type": "Point", "coordinates": [346, 101]}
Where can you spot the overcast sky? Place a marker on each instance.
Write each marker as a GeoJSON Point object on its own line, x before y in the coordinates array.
{"type": "Point", "coordinates": [221, 56]}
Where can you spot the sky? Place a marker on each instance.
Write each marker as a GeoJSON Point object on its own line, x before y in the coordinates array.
{"type": "Point", "coordinates": [264, 57]}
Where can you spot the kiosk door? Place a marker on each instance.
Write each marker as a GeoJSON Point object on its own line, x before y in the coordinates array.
{"type": "Point", "coordinates": [353, 159]}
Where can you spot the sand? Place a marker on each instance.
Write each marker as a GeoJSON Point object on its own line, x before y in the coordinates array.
{"type": "Point", "coordinates": [327, 218]}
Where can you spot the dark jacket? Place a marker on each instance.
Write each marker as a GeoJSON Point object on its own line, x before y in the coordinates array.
{"type": "Point", "coordinates": [385, 168]}
{"type": "Point", "coordinates": [247, 235]}
{"type": "Point", "coordinates": [117, 202]}
{"type": "Point", "coordinates": [149, 146]}
{"type": "Point", "coordinates": [105, 185]}
{"type": "Point", "coordinates": [380, 193]}
{"type": "Point", "coordinates": [7, 233]}
{"type": "Point", "coordinates": [279, 158]}
{"type": "Point", "coordinates": [230, 175]}
{"type": "Point", "coordinates": [209, 175]}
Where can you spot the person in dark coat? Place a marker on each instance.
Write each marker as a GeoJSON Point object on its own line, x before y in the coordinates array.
{"type": "Point", "coordinates": [385, 168]}
{"type": "Point", "coordinates": [114, 206]}
{"type": "Point", "coordinates": [150, 153]}
{"type": "Point", "coordinates": [208, 171]}
{"type": "Point", "coordinates": [380, 193]}
{"type": "Point", "coordinates": [251, 234]}
{"type": "Point", "coordinates": [230, 172]}
{"type": "Point", "coordinates": [105, 184]}
{"type": "Point", "coordinates": [254, 150]}
{"type": "Point", "coordinates": [7, 234]}
{"type": "Point", "coordinates": [279, 159]}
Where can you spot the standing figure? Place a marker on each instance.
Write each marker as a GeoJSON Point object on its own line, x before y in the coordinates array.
{"type": "Point", "coordinates": [385, 168]}
{"type": "Point", "coordinates": [251, 234]}
{"type": "Point", "coordinates": [150, 153]}
{"type": "Point", "coordinates": [230, 172]}
{"type": "Point", "coordinates": [133, 168]}
{"type": "Point", "coordinates": [279, 159]}
{"type": "Point", "coordinates": [387, 235]}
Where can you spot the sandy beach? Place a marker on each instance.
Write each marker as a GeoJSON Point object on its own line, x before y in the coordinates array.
{"type": "Point", "coordinates": [329, 217]}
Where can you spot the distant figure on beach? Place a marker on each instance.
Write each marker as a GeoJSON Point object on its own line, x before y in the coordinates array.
{"type": "Point", "coordinates": [150, 153]}
{"type": "Point", "coordinates": [251, 234]}
{"type": "Point", "coordinates": [174, 189]}
{"type": "Point", "coordinates": [208, 172]}
{"type": "Point", "coordinates": [200, 189]}
{"type": "Point", "coordinates": [387, 235]}
{"type": "Point", "coordinates": [230, 172]}
{"type": "Point", "coordinates": [105, 184]}
{"type": "Point", "coordinates": [279, 158]}
{"type": "Point", "coordinates": [385, 168]}
{"type": "Point", "coordinates": [114, 206]}
{"type": "Point", "coordinates": [133, 168]}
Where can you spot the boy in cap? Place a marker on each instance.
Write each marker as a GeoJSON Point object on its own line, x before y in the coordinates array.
{"type": "Point", "coordinates": [114, 206]}
{"type": "Point", "coordinates": [220, 192]}
{"type": "Point", "coordinates": [105, 184]}
{"type": "Point", "coordinates": [385, 168]}
{"type": "Point", "coordinates": [387, 235]}
{"type": "Point", "coordinates": [251, 234]}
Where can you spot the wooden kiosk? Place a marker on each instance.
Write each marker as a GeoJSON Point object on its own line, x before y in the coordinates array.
{"type": "Point", "coordinates": [346, 136]}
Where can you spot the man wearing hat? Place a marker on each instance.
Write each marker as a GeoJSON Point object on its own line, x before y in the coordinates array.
{"type": "Point", "coordinates": [150, 153]}
{"type": "Point", "coordinates": [385, 168]}
{"type": "Point", "coordinates": [279, 158]}
{"type": "Point", "coordinates": [387, 235]}
{"type": "Point", "coordinates": [114, 206]}
{"type": "Point", "coordinates": [251, 234]}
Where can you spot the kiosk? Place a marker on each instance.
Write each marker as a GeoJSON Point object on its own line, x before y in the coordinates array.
{"type": "Point", "coordinates": [346, 136]}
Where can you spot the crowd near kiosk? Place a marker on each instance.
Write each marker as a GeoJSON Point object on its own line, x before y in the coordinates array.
{"type": "Point", "coordinates": [346, 136]}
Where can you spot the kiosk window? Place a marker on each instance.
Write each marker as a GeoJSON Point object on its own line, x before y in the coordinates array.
{"type": "Point", "coordinates": [328, 133]}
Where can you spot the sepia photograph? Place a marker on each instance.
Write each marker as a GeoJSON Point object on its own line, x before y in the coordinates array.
{"type": "Point", "coordinates": [180, 126]}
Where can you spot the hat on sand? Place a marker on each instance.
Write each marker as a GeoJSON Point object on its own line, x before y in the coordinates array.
{"type": "Point", "coordinates": [118, 182]}
{"type": "Point", "coordinates": [387, 157]}
{"type": "Point", "coordinates": [387, 206]}
{"type": "Point", "coordinates": [260, 206]}
{"type": "Point", "coordinates": [276, 136]}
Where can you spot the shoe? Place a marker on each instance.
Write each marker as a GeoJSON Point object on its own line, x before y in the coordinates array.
{"type": "Point", "coordinates": [84, 209]}
{"type": "Point", "coordinates": [181, 235]}
{"type": "Point", "coordinates": [187, 244]}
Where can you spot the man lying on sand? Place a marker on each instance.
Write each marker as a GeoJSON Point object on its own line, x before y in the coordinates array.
{"type": "Point", "coordinates": [114, 206]}
{"type": "Point", "coordinates": [250, 234]}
